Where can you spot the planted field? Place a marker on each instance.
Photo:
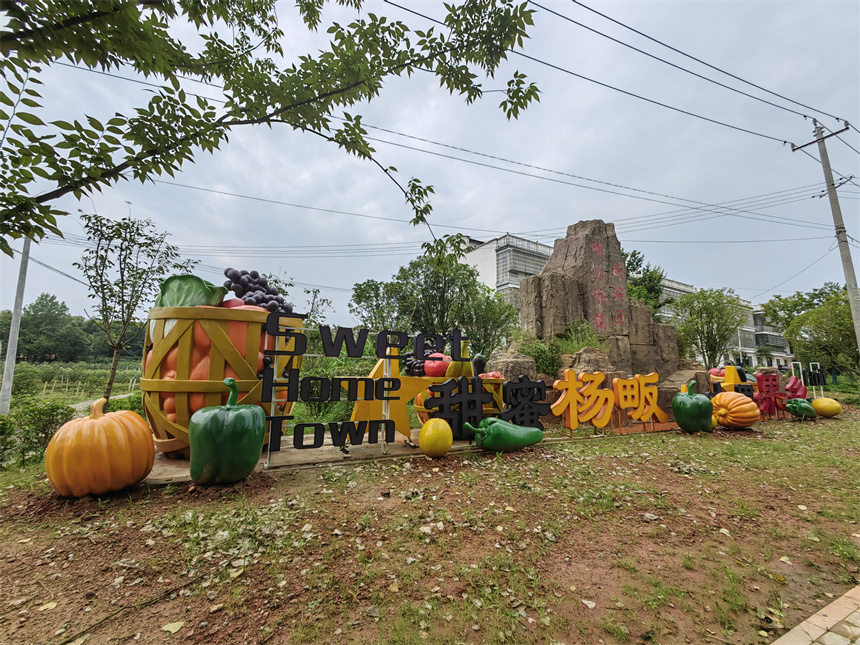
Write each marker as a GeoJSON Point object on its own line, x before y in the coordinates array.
{"type": "Point", "coordinates": [666, 538]}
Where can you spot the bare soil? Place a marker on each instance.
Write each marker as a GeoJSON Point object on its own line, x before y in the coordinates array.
{"type": "Point", "coordinates": [651, 539]}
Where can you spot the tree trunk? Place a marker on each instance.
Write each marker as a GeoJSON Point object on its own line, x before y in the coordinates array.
{"type": "Point", "coordinates": [112, 375]}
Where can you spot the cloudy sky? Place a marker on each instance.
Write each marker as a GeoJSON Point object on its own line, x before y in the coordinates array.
{"type": "Point", "coordinates": [713, 205]}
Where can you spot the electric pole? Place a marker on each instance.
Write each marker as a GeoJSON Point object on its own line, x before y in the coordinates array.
{"type": "Point", "coordinates": [14, 328]}
{"type": "Point", "coordinates": [838, 223]}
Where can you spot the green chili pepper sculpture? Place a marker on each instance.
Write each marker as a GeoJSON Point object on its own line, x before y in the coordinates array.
{"type": "Point", "coordinates": [501, 436]}
{"type": "Point", "coordinates": [800, 408]}
{"type": "Point", "coordinates": [692, 411]}
{"type": "Point", "coordinates": [226, 441]}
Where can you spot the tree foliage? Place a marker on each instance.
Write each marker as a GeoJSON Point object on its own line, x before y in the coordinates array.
{"type": "Point", "coordinates": [644, 280]}
{"type": "Point", "coordinates": [123, 268]}
{"type": "Point", "coordinates": [237, 47]}
{"type": "Point", "coordinates": [708, 321]}
{"type": "Point", "coordinates": [826, 335]}
{"type": "Point", "coordinates": [783, 310]}
{"type": "Point", "coordinates": [435, 295]}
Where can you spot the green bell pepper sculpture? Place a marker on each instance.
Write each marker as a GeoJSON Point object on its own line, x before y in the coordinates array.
{"type": "Point", "coordinates": [692, 411]}
{"type": "Point", "coordinates": [501, 436]}
{"type": "Point", "coordinates": [800, 408]}
{"type": "Point", "coordinates": [226, 441]}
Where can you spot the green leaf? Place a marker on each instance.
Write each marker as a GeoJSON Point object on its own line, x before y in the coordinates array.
{"type": "Point", "coordinates": [32, 119]}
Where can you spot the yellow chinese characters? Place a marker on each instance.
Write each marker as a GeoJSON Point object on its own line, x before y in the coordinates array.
{"type": "Point", "coordinates": [582, 399]}
{"type": "Point", "coordinates": [639, 393]}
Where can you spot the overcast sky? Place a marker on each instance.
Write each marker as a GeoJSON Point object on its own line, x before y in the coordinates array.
{"type": "Point", "coordinates": [584, 152]}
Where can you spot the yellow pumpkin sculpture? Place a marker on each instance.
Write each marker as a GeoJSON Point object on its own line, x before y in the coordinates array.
{"type": "Point", "coordinates": [100, 453]}
{"type": "Point", "coordinates": [735, 410]}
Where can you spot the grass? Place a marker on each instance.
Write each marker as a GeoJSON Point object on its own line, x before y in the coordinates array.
{"type": "Point", "coordinates": [511, 543]}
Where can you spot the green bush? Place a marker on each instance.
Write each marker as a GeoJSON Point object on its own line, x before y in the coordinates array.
{"type": "Point", "coordinates": [547, 353]}
{"type": "Point", "coordinates": [7, 438]}
{"type": "Point", "coordinates": [26, 380]}
{"type": "Point", "coordinates": [133, 403]}
{"type": "Point", "coordinates": [37, 422]}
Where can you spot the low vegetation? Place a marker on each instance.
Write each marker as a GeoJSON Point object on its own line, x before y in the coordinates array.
{"type": "Point", "coordinates": [732, 537]}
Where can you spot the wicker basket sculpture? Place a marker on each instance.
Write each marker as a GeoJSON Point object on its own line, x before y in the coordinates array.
{"type": "Point", "coordinates": [189, 352]}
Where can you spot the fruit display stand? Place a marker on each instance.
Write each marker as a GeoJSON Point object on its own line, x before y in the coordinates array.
{"type": "Point", "coordinates": [188, 353]}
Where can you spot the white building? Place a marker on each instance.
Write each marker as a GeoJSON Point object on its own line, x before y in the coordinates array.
{"type": "Point", "coordinates": [757, 342]}
{"type": "Point", "coordinates": [504, 261]}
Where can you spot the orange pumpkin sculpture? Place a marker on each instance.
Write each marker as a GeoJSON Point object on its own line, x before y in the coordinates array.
{"type": "Point", "coordinates": [735, 410]}
{"type": "Point", "coordinates": [100, 453]}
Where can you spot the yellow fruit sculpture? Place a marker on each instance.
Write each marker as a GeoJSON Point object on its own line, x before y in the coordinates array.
{"type": "Point", "coordinates": [100, 453]}
{"type": "Point", "coordinates": [436, 438]}
{"type": "Point", "coordinates": [826, 407]}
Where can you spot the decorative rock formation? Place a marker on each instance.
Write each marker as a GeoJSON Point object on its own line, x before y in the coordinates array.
{"type": "Point", "coordinates": [586, 279]}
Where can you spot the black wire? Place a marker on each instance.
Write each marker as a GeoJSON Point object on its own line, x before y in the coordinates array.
{"type": "Point", "coordinates": [467, 161]}
{"type": "Point", "coordinates": [698, 60]}
{"type": "Point", "coordinates": [54, 269]}
{"type": "Point", "coordinates": [455, 148]}
{"type": "Point", "coordinates": [611, 87]}
{"type": "Point", "coordinates": [671, 64]}
{"type": "Point", "coordinates": [569, 183]}
{"type": "Point", "coordinates": [829, 251]}
{"type": "Point", "coordinates": [848, 144]}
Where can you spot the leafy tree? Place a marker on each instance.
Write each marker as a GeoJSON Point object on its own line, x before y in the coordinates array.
{"type": "Point", "coordinates": [644, 281]}
{"type": "Point", "coordinates": [708, 320]}
{"type": "Point", "coordinates": [123, 268]}
{"type": "Point", "coordinates": [374, 305]}
{"type": "Point", "coordinates": [825, 335]}
{"type": "Point", "coordinates": [782, 310]}
{"type": "Point", "coordinates": [435, 294]}
{"type": "Point", "coordinates": [238, 48]}
{"type": "Point", "coordinates": [49, 332]}
{"type": "Point", "coordinates": [489, 321]}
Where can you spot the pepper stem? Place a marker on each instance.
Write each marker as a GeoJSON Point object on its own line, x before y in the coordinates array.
{"type": "Point", "coordinates": [690, 386]}
{"type": "Point", "coordinates": [479, 430]}
{"type": "Point", "coordinates": [233, 399]}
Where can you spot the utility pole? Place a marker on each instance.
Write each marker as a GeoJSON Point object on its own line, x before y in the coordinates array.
{"type": "Point", "coordinates": [14, 328]}
{"type": "Point", "coordinates": [838, 223]}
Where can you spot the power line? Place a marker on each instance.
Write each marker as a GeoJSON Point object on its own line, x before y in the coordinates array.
{"type": "Point", "coordinates": [466, 161]}
{"type": "Point", "coordinates": [790, 239]}
{"type": "Point", "coordinates": [848, 144]}
{"type": "Point", "coordinates": [611, 87]}
{"type": "Point", "coordinates": [54, 269]}
{"type": "Point", "coordinates": [698, 60]}
{"type": "Point", "coordinates": [809, 266]}
{"type": "Point", "coordinates": [671, 64]}
{"type": "Point", "coordinates": [602, 190]}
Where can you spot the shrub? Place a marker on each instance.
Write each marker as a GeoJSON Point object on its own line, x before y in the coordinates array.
{"type": "Point", "coordinates": [37, 422]}
{"type": "Point", "coordinates": [547, 353]}
{"type": "Point", "coordinates": [7, 438]}
{"type": "Point", "coordinates": [133, 403]}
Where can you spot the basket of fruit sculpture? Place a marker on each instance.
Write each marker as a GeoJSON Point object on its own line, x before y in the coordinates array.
{"type": "Point", "coordinates": [190, 350]}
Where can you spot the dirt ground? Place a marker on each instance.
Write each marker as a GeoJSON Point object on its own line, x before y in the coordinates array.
{"type": "Point", "coordinates": [727, 538]}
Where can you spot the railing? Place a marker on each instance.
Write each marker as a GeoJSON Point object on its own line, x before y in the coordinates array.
{"type": "Point", "coordinates": [526, 245]}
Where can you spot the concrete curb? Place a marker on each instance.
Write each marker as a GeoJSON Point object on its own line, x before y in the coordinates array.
{"type": "Point", "coordinates": [837, 624]}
